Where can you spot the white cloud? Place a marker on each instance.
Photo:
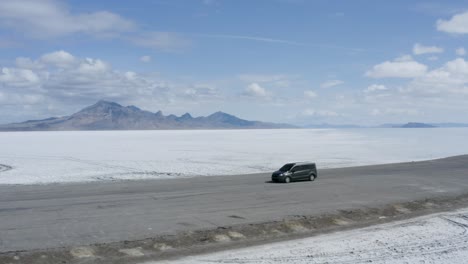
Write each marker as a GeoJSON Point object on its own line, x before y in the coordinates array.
{"type": "Point", "coordinates": [402, 67]}
{"type": "Point", "coordinates": [13, 77]}
{"type": "Point", "coordinates": [376, 87]}
{"type": "Point", "coordinates": [404, 58]}
{"type": "Point", "coordinates": [255, 90]}
{"type": "Point", "coordinates": [320, 113]}
{"type": "Point", "coordinates": [451, 78]}
{"type": "Point", "coordinates": [130, 75]}
{"type": "Point", "coordinates": [419, 49]}
{"type": "Point", "coordinates": [85, 80]}
{"type": "Point", "coordinates": [61, 59]}
{"type": "Point", "coordinates": [395, 111]}
{"type": "Point", "coordinates": [145, 58]}
{"type": "Point", "coordinates": [93, 67]}
{"type": "Point", "coordinates": [458, 24]}
{"type": "Point", "coordinates": [331, 83]}
{"type": "Point", "coordinates": [310, 94]}
{"type": "Point", "coordinates": [27, 63]}
{"type": "Point", "coordinates": [432, 58]}
{"type": "Point", "coordinates": [460, 51]}
{"type": "Point", "coordinates": [201, 92]}
{"type": "Point", "coordinates": [48, 18]}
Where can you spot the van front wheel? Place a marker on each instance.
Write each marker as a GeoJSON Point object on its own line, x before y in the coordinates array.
{"type": "Point", "coordinates": [287, 180]}
{"type": "Point", "coordinates": [311, 177]}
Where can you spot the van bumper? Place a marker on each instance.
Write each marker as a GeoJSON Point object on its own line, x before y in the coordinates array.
{"type": "Point", "coordinates": [277, 178]}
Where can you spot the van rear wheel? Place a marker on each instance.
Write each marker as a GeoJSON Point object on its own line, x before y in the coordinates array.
{"type": "Point", "coordinates": [311, 177]}
{"type": "Point", "coordinates": [287, 180]}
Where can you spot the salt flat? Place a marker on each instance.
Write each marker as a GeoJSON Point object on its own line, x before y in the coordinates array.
{"type": "Point", "coordinates": [46, 157]}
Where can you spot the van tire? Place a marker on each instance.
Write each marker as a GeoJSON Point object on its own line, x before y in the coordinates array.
{"type": "Point", "coordinates": [287, 180]}
{"type": "Point", "coordinates": [312, 177]}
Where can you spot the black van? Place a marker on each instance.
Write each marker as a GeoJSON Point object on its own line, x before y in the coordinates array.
{"type": "Point", "coordinates": [295, 172]}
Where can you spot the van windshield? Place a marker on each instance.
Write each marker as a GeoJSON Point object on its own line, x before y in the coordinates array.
{"type": "Point", "coordinates": [286, 167]}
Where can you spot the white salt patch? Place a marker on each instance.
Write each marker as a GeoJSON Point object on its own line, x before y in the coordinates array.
{"type": "Point", "coordinates": [134, 252]}
{"type": "Point", "coordinates": [82, 252]}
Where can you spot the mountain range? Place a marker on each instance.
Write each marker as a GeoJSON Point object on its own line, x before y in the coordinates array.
{"type": "Point", "coordinates": [105, 115]}
{"type": "Point", "coordinates": [407, 125]}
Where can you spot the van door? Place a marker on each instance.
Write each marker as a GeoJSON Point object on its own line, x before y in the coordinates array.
{"type": "Point", "coordinates": [299, 172]}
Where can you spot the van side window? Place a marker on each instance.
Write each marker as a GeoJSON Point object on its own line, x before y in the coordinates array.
{"type": "Point", "coordinates": [298, 168]}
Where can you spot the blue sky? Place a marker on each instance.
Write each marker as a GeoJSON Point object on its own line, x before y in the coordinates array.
{"type": "Point", "coordinates": [295, 61]}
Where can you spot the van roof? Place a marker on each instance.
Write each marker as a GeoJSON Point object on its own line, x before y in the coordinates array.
{"type": "Point", "coordinates": [303, 163]}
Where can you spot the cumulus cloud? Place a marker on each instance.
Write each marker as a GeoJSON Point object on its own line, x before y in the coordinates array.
{"type": "Point", "coordinates": [255, 90]}
{"type": "Point", "coordinates": [145, 58]}
{"type": "Point", "coordinates": [419, 49]}
{"type": "Point", "coordinates": [48, 18]}
{"type": "Point", "coordinates": [83, 80]}
{"type": "Point", "coordinates": [14, 77]}
{"type": "Point", "coordinates": [450, 78]}
{"type": "Point", "coordinates": [402, 67]}
{"type": "Point", "coordinates": [61, 59]}
{"type": "Point", "coordinates": [201, 92]}
{"type": "Point", "coordinates": [331, 83]}
{"type": "Point", "coordinates": [27, 63]}
{"type": "Point", "coordinates": [460, 51]}
{"type": "Point", "coordinates": [93, 67]}
{"type": "Point", "coordinates": [375, 88]}
{"type": "Point", "coordinates": [310, 94]}
{"type": "Point", "coordinates": [458, 24]}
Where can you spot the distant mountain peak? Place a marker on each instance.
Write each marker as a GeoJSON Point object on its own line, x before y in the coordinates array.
{"type": "Point", "coordinates": [106, 103]}
{"type": "Point", "coordinates": [185, 117]}
{"type": "Point", "coordinates": [417, 125]}
{"type": "Point", "coordinates": [133, 108]}
{"type": "Point", "coordinates": [219, 113]}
